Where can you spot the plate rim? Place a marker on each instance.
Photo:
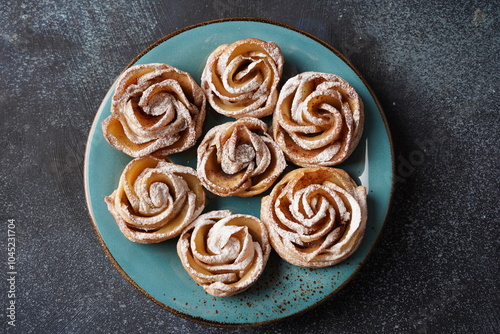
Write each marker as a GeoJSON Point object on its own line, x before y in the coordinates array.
{"type": "Point", "coordinates": [94, 127]}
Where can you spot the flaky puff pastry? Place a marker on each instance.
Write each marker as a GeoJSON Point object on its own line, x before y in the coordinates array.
{"type": "Point", "coordinates": [239, 158]}
{"type": "Point", "coordinates": [223, 252]}
{"type": "Point", "coordinates": [316, 216]}
{"type": "Point", "coordinates": [155, 200]}
{"type": "Point", "coordinates": [318, 120]}
{"type": "Point", "coordinates": [241, 79]}
{"type": "Point", "coordinates": [156, 110]}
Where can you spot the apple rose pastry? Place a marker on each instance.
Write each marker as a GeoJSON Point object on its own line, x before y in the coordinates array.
{"type": "Point", "coordinates": [239, 158]}
{"type": "Point", "coordinates": [315, 216]}
{"type": "Point", "coordinates": [223, 252]}
{"type": "Point", "coordinates": [156, 110]}
{"type": "Point", "coordinates": [318, 119]}
{"type": "Point", "coordinates": [155, 200]}
{"type": "Point", "coordinates": [241, 79]}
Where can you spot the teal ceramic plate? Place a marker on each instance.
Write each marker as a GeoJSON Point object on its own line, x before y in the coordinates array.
{"type": "Point", "coordinates": [283, 290]}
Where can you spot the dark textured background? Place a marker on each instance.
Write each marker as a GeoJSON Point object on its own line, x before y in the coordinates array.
{"type": "Point", "coordinates": [432, 64]}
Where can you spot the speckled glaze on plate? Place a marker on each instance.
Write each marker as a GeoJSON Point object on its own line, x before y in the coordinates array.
{"type": "Point", "coordinates": [283, 289]}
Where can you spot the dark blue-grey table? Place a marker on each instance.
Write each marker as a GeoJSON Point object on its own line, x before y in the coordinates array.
{"type": "Point", "coordinates": [433, 66]}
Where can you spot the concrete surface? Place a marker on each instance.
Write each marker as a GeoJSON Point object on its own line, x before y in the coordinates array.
{"type": "Point", "coordinates": [432, 64]}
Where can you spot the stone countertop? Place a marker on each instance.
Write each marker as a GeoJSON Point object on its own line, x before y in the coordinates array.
{"type": "Point", "coordinates": [433, 66]}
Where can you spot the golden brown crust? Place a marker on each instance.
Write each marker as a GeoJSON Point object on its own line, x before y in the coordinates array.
{"type": "Point", "coordinates": [225, 253]}
{"type": "Point", "coordinates": [155, 200]}
{"type": "Point", "coordinates": [156, 110]}
{"type": "Point", "coordinates": [241, 79]}
{"type": "Point", "coordinates": [239, 159]}
{"type": "Point", "coordinates": [316, 216]}
{"type": "Point", "coordinates": [318, 119]}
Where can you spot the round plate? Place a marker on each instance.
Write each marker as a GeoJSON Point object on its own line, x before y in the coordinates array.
{"type": "Point", "coordinates": [283, 290]}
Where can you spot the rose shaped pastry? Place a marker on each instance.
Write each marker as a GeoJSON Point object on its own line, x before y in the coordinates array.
{"type": "Point", "coordinates": [156, 110]}
{"type": "Point", "coordinates": [315, 216]}
{"type": "Point", "coordinates": [241, 79]}
{"type": "Point", "coordinates": [318, 119]}
{"type": "Point", "coordinates": [239, 158]}
{"type": "Point", "coordinates": [155, 200]}
{"type": "Point", "coordinates": [225, 253]}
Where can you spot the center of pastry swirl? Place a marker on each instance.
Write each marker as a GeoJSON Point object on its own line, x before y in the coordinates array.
{"type": "Point", "coordinates": [160, 195]}
{"type": "Point", "coordinates": [237, 158]}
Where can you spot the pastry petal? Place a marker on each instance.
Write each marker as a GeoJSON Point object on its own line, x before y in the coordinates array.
{"type": "Point", "coordinates": [318, 120]}
{"type": "Point", "coordinates": [316, 216]}
{"type": "Point", "coordinates": [241, 79]}
{"type": "Point", "coordinates": [223, 252]}
{"type": "Point", "coordinates": [156, 110]}
{"type": "Point", "coordinates": [155, 199]}
{"type": "Point", "coordinates": [239, 158]}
